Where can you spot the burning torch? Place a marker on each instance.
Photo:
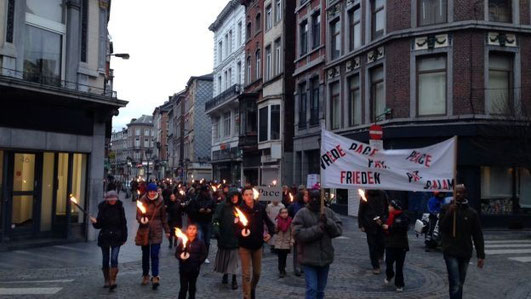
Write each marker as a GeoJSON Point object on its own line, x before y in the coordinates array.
{"type": "Point", "coordinates": [241, 218]}
{"type": "Point", "coordinates": [140, 206]}
{"type": "Point", "coordinates": [290, 197]}
{"type": "Point", "coordinates": [179, 234]}
{"type": "Point", "coordinates": [362, 195]}
{"type": "Point", "coordinates": [256, 194]}
{"type": "Point", "coordinates": [74, 201]}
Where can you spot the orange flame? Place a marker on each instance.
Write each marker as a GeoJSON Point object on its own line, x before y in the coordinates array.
{"type": "Point", "coordinates": [214, 188]}
{"type": "Point", "coordinates": [290, 197]}
{"type": "Point", "coordinates": [241, 216]}
{"type": "Point", "coordinates": [362, 195]}
{"type": "Point", "coordinates": [181, 192]}
{"type": "Point", "coordinates": [73, 199]}
{"type": "Point", "coordinates": [256, 194]}
{"type": "Point", "coordinates": [141, 207]}
{"type": "Point", "coordinates": [138, 191]}
{"type": "Point", "coordinates": [180, 234]}
{"type": "Point", "coordinates": [224, 182]}
{"type": "Point", "coordinates": [274, 183]}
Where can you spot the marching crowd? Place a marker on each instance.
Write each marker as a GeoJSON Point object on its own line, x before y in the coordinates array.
{"type": "Point", "coordinates": [189, 215]}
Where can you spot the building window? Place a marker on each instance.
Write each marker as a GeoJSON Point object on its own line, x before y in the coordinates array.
{"type": "Point", "coordinates": [258, 60]}
{"type": "Point", "coordinates": [249, 73]}
{"type": "Point", "coordinates": [431, 85]}
{"type": "Point", "coordinates": [225, 78]}
{"type": "Point", "coordinates": [377, 93]}
{"type": "Point", "coordinates": [248, 32]}
{"type": "Point", "coordinates": [239, 34]}
{"type": "Point", "coordinates": [497, 190]}
{"type": "Point", "coordinates": [500, 83]}
{"type": "Point", "coordinates": [230, 42]}
{"type": "Point", "coordinates": [354, 101]}
{"type": "Point", "coordinates": [269, 17]}
{"type": "Point", "coordinates": [10, 21]}
{"type": "Point", "coordinates": [335, 39]}
{"type": "Point", "coordinates": [268, 63]}
{"type": "Point", "coordinates": [431, 12]}
{"type": "Point", "coordinates": [42, 56]}
{"type": "Point", "coordinates": [500, 11]}
{"type": "Point", "coordinates": [229, 78]}
{"type": "Point", "coordinates": [227, 45]}
{"type": "Point", "coordinates": [84, 29]}
{"type": "Point", "coordinates": [263, 119]}
{"type": "Point", "coordinates": [335, 106]}
{"type": "Point", "coordinates": [137, 141]}
{"type": "Point", "coordinates": [239, 73]}
{"type": "Point", "coordinates": [354, 28]}
{"type": "Point", "coordinates": [302, 105]}
{"type": "Point", "coordinates": [278, 10]}
{"type": "Point", "coordinates": [275, 122]}
{"type": "Point", "coordinates": [146, 142]}
{"type": "Point", "coordinates": [137, 132]}
{"type": "Point", "coordinates": [314, 101]}
{"type": "Point", "coordinates": [303, 37]}
{"type": "Point", "coordinates": [377, 18]}
{"type": "Point", "coordinates": [219, 85]}
{"type": "Point", "coordinates": [278, 57]}
{"type": "Point", "coordinates": [220, 51]}
{"type": "Point", "coordinates": [248, 118]}
{"type": "Point", "coordinates": [316, 30]}
{"type": "Point", "coordinates": [258, 23]}
{"type": "Point", "coordinates": [215, 128]}
{"type": "Point", "coordinates": [226, 124]}
{"type": "Point", "coordinates": [51, 9]}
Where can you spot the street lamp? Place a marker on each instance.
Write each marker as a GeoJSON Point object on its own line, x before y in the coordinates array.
{"type": "Point", "coordinates": [120, 55]}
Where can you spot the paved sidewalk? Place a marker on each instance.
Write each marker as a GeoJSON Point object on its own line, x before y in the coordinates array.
{"type": "Point", "coordinates": [73, 271]}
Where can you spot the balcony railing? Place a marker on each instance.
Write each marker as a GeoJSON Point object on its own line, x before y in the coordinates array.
{"type": "Point", "coordinates": [231, 154]}
{"type": "Point", "coordinates": [53, 82]}
{"type": "Point", "coordinates": [231, 92]}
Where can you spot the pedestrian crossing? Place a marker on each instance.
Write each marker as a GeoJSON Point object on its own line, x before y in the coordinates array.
{"type": "Point", "coordinates": [36, 287]}
{"type": "Point", "coordinates": [514, 250]}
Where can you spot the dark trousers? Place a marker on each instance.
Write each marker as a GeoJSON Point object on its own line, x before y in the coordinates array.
{"type": "Point", "coordinates": [188, 282]}
{"type": "Point", "coordinates": [376, 248]}
{"type": "Point", "coordinates": [205, 233]}
{"type": "Point", "coordinates": [395, 256]}
{"type": "Point", "coordinates": [316, 279]}
{"type": "Point", "coordinates": [150, 251]}
{"type": "Point", "coordinates": [296, 265]}
{"type": "Point", "coordinates": [456, 267]}
{"type": "Point", "coordinates": [112, 254]}
{"type": "Point", "coordinates": [282, 257]}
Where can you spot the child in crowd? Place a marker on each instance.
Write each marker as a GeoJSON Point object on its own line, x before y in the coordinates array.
{"type": "Point", "coordinates": [284, 239]}
{"type": "Point", "coordinates": [189, 267]}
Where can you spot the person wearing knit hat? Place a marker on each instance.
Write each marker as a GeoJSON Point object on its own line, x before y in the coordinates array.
{"type": "Point", "coordinates": [395, 229]}
{"type": "Point", "coordinates": [157, 221]}
{"type": "Point", "coordinates": [112, 224]}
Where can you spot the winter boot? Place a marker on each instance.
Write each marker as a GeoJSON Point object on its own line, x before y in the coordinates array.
{"type": "Point", "coordinates": [145, 280]}
{"type": "Point", "coordinates": [156, 282]}
{"type": "Point", "coordinates": [113, 273]}
{"type": "Point", "coordinates": [106, 277]}
{"type": "Point", "coordinates": [234, 282]}
{"type": "Point", "coordinates": [225, 279]}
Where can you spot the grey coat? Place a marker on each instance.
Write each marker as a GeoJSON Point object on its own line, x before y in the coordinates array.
{"type": "Point", "coordinates": [314, 239]}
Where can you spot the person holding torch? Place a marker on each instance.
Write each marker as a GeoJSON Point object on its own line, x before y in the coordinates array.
{"type": "Point", "coordinates": [151, 215]}
{"type": "Point", "coordinates": [191, 254]}
{"type": "Point", "coordinates": [252, 218]}
{"type": "Point", "coordinates": [112, 224]}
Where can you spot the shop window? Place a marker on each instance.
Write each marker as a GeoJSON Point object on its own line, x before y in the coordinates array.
{"type": "Point", "coordinates": [525, 188]}
{"type": "Point", "coordinates": [497, 190]}
{"type": "Point", "coordinates": [62, 182]}
{"type": "Point", "coordinates": [47, 191]}
{"type": "Point", "coordinates": [79, 179]}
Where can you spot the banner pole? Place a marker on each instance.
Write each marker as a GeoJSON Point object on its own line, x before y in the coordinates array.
{"type": "Point", "coordinates": [321, 172]}
{"type": "Point", "coordinates": [455, 182]}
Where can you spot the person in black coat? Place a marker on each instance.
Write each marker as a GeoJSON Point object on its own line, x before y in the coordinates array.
{"type": "Point", "coordinates": [113, 233]}
{"type": "Point", "coordinates": [201, 209]}
{"type": "Point", "coordinates": [375, 206]}
{"type": "Point", "coordinates": [175, 218]}
{"type": "Point", "coordinates": [250, 246]}
{"type": "Point", "coordinates": [189, 268]}
{"type": "Point", "coordinates": [395, 229]}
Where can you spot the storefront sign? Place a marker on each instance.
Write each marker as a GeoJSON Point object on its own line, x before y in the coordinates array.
{"type": "Point", "coordinates": [349, 164]}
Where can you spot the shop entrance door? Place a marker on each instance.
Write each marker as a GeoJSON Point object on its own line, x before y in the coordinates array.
{"type": "Point", "coordinates": [23, 199]}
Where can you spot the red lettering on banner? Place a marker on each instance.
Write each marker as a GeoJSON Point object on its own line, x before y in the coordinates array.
{"type": "Point", "coordinates": [360, 177]}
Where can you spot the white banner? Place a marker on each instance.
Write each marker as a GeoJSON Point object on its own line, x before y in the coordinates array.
{"type": "Point", "coordinates": [349, 164]}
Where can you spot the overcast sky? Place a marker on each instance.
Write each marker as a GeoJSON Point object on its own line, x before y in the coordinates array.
{"type": "Point", "coordinates": [168, 41]}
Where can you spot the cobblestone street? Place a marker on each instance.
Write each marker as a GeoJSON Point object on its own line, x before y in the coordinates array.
{"type": "Point", "coordinates": [72, 271]}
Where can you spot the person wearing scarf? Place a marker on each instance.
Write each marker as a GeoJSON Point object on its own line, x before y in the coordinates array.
{"type": "Point", "coordinates": [396, 243]}
{"type": "Point", "coordinates": [284, 240]}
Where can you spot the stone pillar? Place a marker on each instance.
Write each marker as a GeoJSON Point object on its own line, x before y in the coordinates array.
{"type": "Point", "coordinates": [95, 178]}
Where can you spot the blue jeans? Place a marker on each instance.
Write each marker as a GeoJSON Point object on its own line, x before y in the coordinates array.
{"type": "Point", "coordinates": [205, 233]}
{"type": "Point", "coordinates": [114, 251]}
{"type": "Point", "coordinates": [152, 251]}
{"type": "Point", "coordinates": [456, 275]}
{"type": "Point", "coordinates": [316, 278]}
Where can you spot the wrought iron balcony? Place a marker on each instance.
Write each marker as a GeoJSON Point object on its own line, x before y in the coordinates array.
{"type": "Point", "coordinates": [221, 98]}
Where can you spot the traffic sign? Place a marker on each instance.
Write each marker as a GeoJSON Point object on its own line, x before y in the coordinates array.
{"type": "Point", "coordinates": [376, 132]}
